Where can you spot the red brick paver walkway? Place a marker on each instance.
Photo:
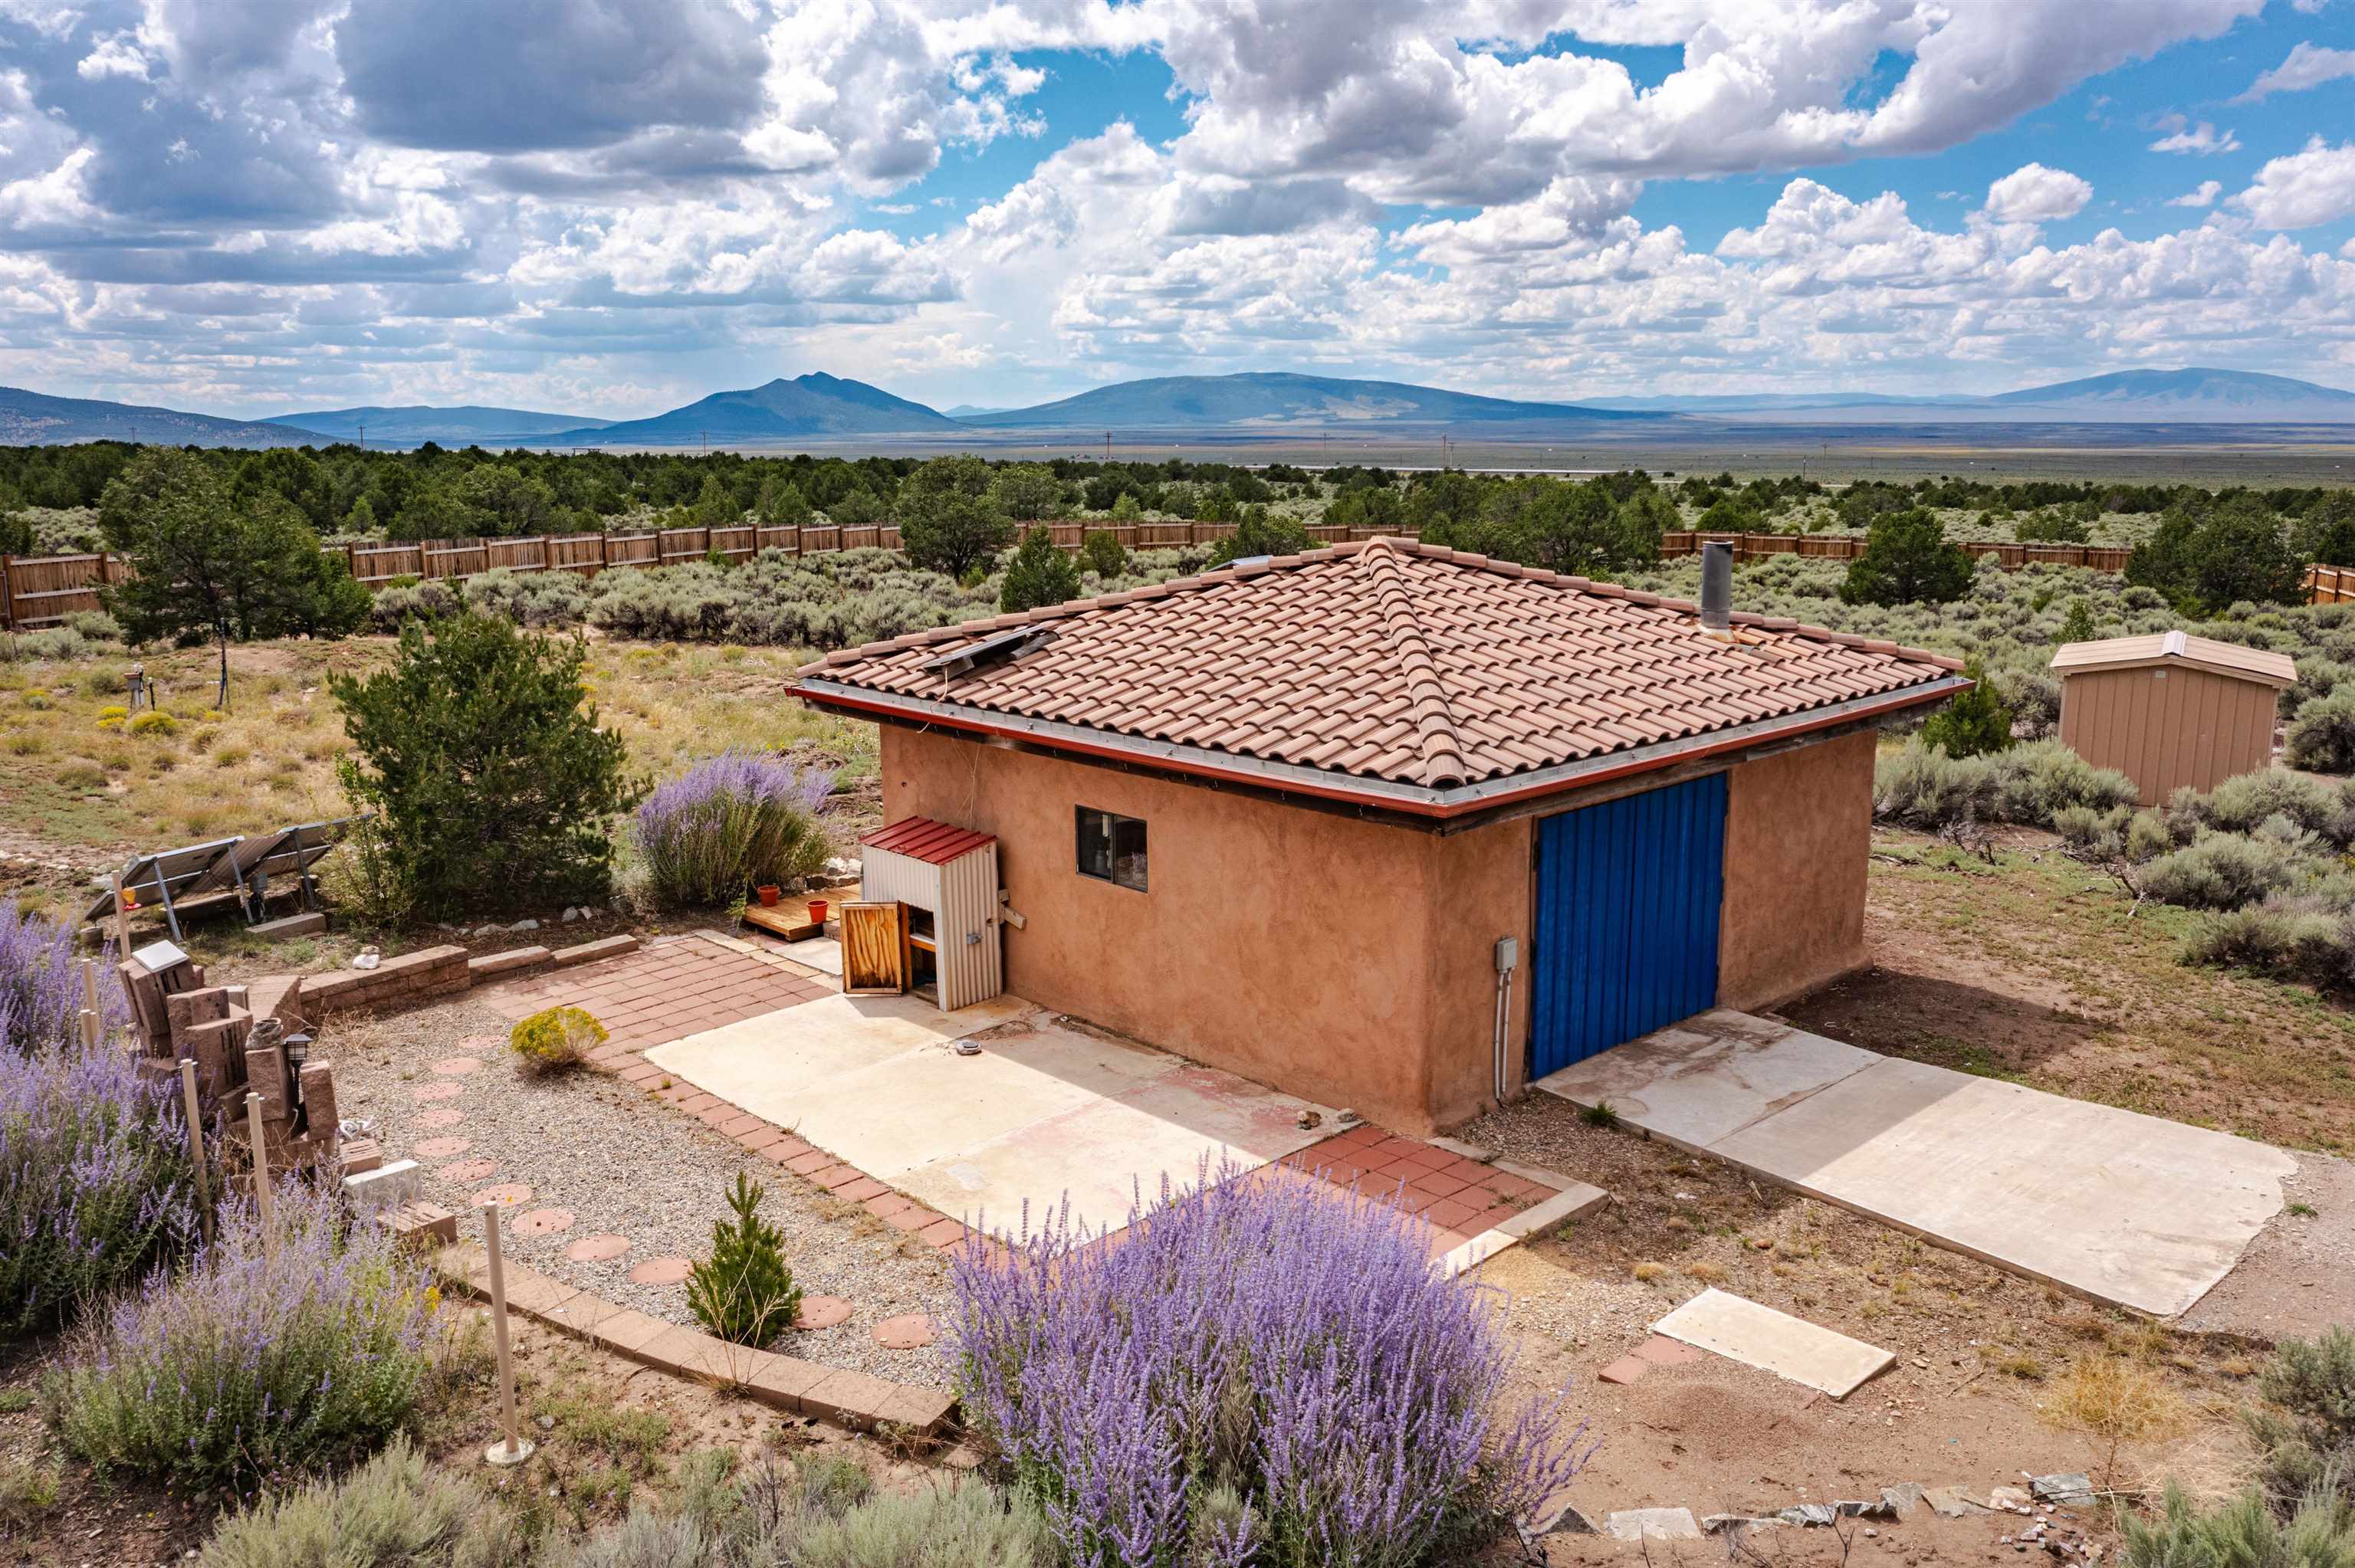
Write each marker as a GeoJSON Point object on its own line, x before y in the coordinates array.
{"type": "Point", "coordinates": [1461, 1198]}
{"type": "Point", "coordinates": [661, 993]}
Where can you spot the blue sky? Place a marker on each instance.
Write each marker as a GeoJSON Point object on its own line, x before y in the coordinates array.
{"type": "Point", "coordinates": [616, 206]}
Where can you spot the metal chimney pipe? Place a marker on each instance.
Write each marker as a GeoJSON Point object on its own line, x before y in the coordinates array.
{"type": "Point", "coordinates": [1716, 586]}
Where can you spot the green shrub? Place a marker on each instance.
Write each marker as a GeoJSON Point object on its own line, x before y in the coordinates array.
{"type": "Point", "coordinates": [2322, 737]}
{"type": "Point", "coordinates": [392, 1513]}
{"type": "Point", "coordinates": [2222, 871]}
{"type": "Point", "coordinates": [28, 1489]}
{"type": "Point", "coordinates": [1262, 533]}
{"type": "Point", "coordinates": [2244, 803]}
{"type": "Point", "coordinates": [738, 820]}
{"type": "Point", "coordinates": [1907, 560]}
{"type": "Point", "coordinates": [1975, 723]}
{"type": "Point", "coordinates": [1038, 573]}
{"type": "Point", "coordinates": [370, 882]}
{"type": "Point", "coordinates": [155, 721]}
{"type": "Point", "coordinates": [2221, 550]}
{"type": "Point", "coordinates": [2244, 1532]}
{"type": "Point", "coordinates": [2305, 1432]}
{"type": "Point", "coordinates": [1101, 553]}
{"type": "Point", "coordinates": [536, 600]}
{"type": "Point", "coordinates": [1922, 787]}
{"type": "Point", "coordinates": [556, 1039]}
{"type": "Point", "coordinates": [966, 1525]}
{"type": "Point", "coordinates": [248, 1362]}
{"type": "Point", "coordinates": [478, 750]}
{"type": "Point", "coordinates": [950, 520]}
{"type": "Point", "coordinates": [743, 1292]}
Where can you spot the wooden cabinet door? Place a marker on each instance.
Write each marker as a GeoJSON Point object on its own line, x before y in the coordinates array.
{"type": "Point", "coordinates": [874, 949]}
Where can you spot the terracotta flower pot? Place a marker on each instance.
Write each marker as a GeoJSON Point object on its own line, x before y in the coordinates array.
{"type": "Point", "coordinates": [817, 911]}
{"type": "Point", "coordinates": [768, 892]}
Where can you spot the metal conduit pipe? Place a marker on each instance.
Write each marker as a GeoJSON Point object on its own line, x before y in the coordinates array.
{"type": "Point", "coordinates": [1509, 952]}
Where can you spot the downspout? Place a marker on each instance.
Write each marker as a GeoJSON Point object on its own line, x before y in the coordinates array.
{"type": "Point", "coordinates": [1507, 955]}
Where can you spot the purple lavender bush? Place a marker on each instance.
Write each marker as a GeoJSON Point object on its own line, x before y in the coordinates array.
{"type": "Point", "coordinates": [94, 1179]}
{"type": "Point", "coordinates": [732, 822]}
{"type": "Point", "coordinates": [245, 1367]}
{"type": "Point", "coordinates": [40, 982]}
{"type": "Point", "coordinates": [1264, 1372]}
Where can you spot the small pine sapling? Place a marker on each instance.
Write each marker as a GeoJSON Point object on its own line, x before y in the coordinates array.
{"type": "Point", "coordinates": [744, 1292]}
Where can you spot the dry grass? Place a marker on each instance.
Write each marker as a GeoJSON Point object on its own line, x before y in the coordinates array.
{"type": "Point", "coordinates": [2115, 1400]}
{"type": "Point", "coordinates": [73, 776]}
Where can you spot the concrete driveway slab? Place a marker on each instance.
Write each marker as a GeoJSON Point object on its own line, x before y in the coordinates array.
{"type": "Point", "coordinates": [2128, 1209]}
{"type": "Point", "coordinates": [1693, 1085]}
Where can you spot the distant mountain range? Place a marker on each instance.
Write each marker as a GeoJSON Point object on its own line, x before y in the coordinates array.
{"type": "Point", "coordinates": [815, 406]}
{"type": "Point", "coordinates": [2125, 396]}
{"type": "Point", "coordinates": [1280, 402]}
{"type": "Point", "coordinates": [416, 423]}
{"type": "Point", "coordinates": [35, 418]}
{"type": "Point", "coordinates": [830, 410]}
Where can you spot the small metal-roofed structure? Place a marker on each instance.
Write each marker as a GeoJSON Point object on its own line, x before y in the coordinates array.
{"type": "Point", "coordinates": [927, 915]}
{"type": "Point", "coordinates": [2169, 709]}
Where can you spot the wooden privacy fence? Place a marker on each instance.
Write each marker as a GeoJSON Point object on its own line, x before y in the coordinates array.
{"type": "Point", "coordinates": [36, 591]}
{"type": "Point", "coordinates": [2328, 585]}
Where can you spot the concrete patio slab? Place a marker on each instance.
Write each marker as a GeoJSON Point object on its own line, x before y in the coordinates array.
{"type": "Point", "coordinates": [1043, 1112]}
{"type": "Point", "coordinates": [2128, 1209]}
{"type": "Point", "coordinates": [1758, 1336]}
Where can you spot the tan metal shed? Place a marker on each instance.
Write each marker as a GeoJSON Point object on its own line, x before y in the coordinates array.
{"type": "Point", "coordinates": [944, 881]}
{"type": "Point", "coordinates": [2170, 709]}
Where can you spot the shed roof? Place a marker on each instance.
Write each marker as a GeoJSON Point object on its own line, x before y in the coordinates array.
{"type": "Point", "coordinates": [2161, 648]}
{"type": "Point", "coordinates": [1386, 670]}
{"type": "Point", "coordinates": [920, 838]}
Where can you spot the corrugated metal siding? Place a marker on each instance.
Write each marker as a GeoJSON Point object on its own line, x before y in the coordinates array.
{"type": "Point", "coordinates": [2167, 727]}
{"type": "Point", "coordinates": [1627, 905]}
{"type": "Point", "coordinates": [962, 898]}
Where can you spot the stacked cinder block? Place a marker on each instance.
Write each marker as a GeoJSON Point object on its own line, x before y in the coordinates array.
{"type": "Point", "coordinates": [408, 980]}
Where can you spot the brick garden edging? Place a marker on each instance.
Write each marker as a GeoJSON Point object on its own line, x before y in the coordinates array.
{"type": "Point", "coordinates": [431, 974]}
{"type": "Point", "coordinates": [850, 1399]}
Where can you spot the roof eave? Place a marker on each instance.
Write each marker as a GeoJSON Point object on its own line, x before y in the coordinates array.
{"type": "Point", "coordinates": [1414, 799]}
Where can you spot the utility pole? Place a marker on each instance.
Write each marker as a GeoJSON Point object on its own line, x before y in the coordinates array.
{"type": "Point", "coordinates": [1107, 446]}
{"type": "Point", "coordinates": [363, 435]}
{"type": "Point", "coordinates": [706, 435]}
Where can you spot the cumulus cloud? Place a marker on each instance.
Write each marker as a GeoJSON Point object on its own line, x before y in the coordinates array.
{"type": "Point", "coordinates": [2034, 193]}
{"type": "Point", "coordinates": [2314, 186]}
{"type": "Point", "coordinates": [2305, 65]}
{"type": "Point", "coordinates": [2202, 139]}
{"type": "Point", "coordinates": [617, 204]}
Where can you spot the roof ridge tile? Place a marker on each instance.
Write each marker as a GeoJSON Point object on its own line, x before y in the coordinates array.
{"type": "Point", "coordinates": [1443, 761]}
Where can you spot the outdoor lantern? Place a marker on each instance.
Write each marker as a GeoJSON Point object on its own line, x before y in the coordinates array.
{"type": "Point", "coordinates": [298, 1049]}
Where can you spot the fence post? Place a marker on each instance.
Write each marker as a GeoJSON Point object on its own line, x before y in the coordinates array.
{"type": "Point", "coordinates": [196, 1143]}
{"type": "Point", "coordinates": [8, 593]}
{"type": "Point", "coordinates": [263, 1199]}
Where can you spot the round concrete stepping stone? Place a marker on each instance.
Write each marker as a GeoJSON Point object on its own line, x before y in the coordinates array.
{"type": "Point", "coordinates": [597, 1249]}
{"type": "Point", "coordinates": [543, 1222]}
{"type": "Point", "coordinates": [661, 1271]}
{"type": "Point", "coordinates": [442, 1148]}
{"type": "Point", "coordinates": [458, 1066]}
{"type": "Point", "coordinates": [469, 1171]}
{"type": "Point", "coordinates": [909, 1331]}
{"type": "Point", "coordinates": [444, 1090]}
{"type": "Point", "coordinates": [440, 1117]}
{"type": "Point", "coordinates": [822, 1312]}
{"type": "Point", "coordinates": [507, 1195]}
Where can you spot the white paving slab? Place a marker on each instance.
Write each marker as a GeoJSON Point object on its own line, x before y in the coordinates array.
{"type": "Point", "coordinates": [2128, 1209]}
{"type": "Point", "coordinates": [1759, 1336]}
{"type": "Point", "coordinates": [1041, 1115]}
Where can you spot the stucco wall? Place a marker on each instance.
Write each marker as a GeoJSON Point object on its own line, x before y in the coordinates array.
{"type": "Point", "coordinates": [1290, 945]}
{"type": "Point", "coordinates": [1347, 961]}
{"type": "Point", "coordinates": [1799, 840]}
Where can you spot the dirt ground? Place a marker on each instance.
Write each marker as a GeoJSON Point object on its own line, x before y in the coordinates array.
{"type": "Point", "coordinates": [2036, 969]}
{"type": "Point", "coordinates": [1981, 1355]}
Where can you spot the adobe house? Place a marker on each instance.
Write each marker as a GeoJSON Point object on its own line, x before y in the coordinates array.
{"type": "Point", "coordinates": [1392, 827]}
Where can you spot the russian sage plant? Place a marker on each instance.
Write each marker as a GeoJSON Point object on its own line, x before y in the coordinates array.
{"type": "Point", "coordinates": [94, 1179]}
{"type": "Point", "coordinates": [1266, 1337]}
{"type": "Point", "coordinates": [247, 1365]}
{"type": "Point", "coordinates": [40, 982]}
{"type": "Point", "coordinates": [730, 823]}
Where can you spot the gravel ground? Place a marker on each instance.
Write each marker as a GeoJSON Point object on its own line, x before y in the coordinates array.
{"type": "Point", "coordinates": [623, 1163]}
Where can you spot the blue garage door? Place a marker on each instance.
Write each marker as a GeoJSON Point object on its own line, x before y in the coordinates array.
{"type": "Point", "coordinates": [1627, 927]}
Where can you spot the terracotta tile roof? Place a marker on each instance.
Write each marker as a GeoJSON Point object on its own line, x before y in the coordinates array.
{"type": "Point", "coordinates": [1393, 661]}
{"type": "Point", "coordinates": [2178, 648]}
{"type": "Point", "coordinates": [920, 838]}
